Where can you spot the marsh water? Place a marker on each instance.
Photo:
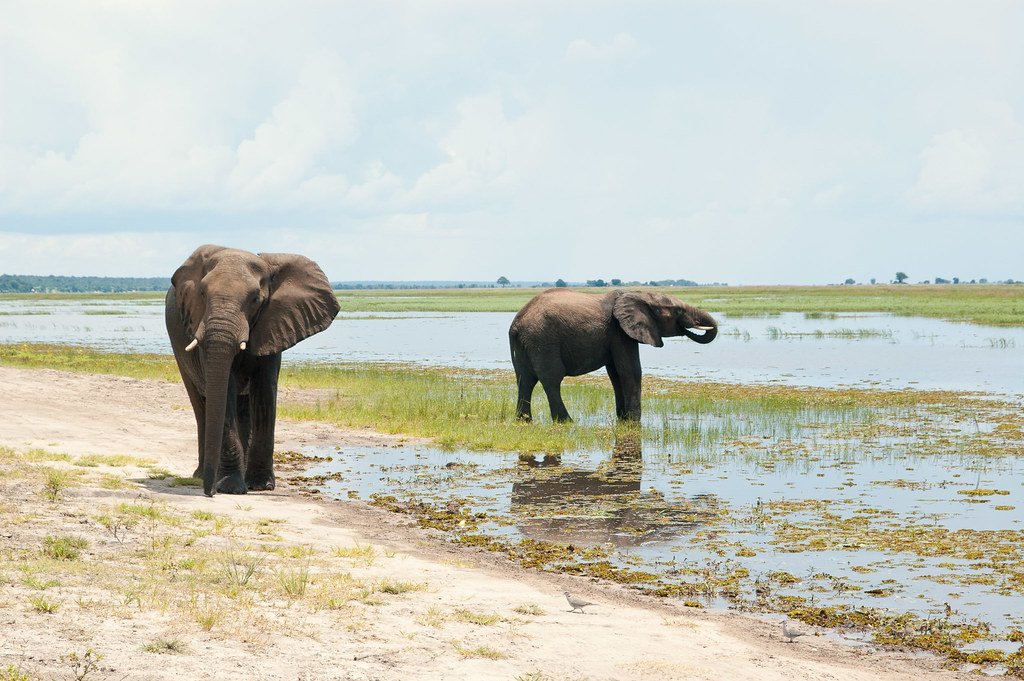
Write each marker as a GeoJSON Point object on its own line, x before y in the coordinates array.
{"type": "Point", "coordinates": [848, 507]}
{"type": "Point", "coordinates": [842, 350]}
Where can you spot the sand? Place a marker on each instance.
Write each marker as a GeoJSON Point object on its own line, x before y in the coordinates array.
{"type": "Point", "coordinates": [421, 633]}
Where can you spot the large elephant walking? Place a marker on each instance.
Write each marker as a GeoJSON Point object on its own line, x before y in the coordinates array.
{"type": "Point", "coordinates": [561, 333]}
{"type": "Point", "coordinates": [230, 314]}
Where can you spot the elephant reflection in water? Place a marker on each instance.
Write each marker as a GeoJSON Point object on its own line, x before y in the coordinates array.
{"type": "Point", "coordinates": [605, 505]}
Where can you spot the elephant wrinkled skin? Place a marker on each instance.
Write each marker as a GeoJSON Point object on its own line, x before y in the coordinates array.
{"type": "Point", "coordinates": [230, 314]}
{"type": "Point", "coordinates": [561, 332]}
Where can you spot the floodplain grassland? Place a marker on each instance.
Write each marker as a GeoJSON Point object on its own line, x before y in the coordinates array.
{"type": "Point", "coordinates": [998, 304]}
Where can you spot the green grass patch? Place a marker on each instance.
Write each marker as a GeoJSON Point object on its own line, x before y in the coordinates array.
{"type": "Point", "coordinates": [64, 548]}
{"type": "Point", "coordinates": [88, 360]}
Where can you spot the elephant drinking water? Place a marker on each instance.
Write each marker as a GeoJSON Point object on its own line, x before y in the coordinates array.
{"type": "Point", "coordinates": [561, 333]}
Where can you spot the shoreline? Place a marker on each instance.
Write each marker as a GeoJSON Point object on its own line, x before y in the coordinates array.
{"type": "Point", "coordinates": [419, 607]}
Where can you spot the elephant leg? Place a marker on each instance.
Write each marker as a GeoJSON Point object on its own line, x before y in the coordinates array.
{"type": "Point", "coordinates": [553, 389]}
{"type": "Point", "coordinates": [199, 409]}
{"type": "Point", "coordinates": [626, 364]}
{"type": "Point", "coordinates": [232, 455]}
{"type": "Point", "coordinates": [525, 382]}
{"type": "Point", "coordinates": [259, 469]}
{"type": "Point", "coordinates": [620, 399]}
{"type": "Point", "coordinates": [244, 427]}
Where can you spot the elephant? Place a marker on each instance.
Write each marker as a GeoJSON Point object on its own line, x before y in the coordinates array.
{"type": "Point", "coordinates": [561, 332]}
{"type": "Point", "coordinates": [230, 314]}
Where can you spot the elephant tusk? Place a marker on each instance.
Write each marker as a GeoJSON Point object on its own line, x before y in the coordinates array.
{"type": "Point", "coordinates": [241, 346]}
{"type": "Point", "coordinates": [703, 328]}
{"type": "Point", "coordinates": [192, 346]}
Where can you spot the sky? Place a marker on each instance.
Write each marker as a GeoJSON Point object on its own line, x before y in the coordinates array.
{"type": "Point", "coordinates": [742, 142]}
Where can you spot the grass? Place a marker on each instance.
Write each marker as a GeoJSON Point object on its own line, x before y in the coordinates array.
{"type": "Point", "coordinates": [479, 651]}
{"type": "Point", "coordinates": [978, 303]}
{"type": "Point", "coordinates": [56, 481]}
{"type": "Point", "coordinates": [165, 646]}
{"type": "Point", "coordinates": [474, 408]}
{"type": "Point", "coordinates": [478, 618]}
{"type": "Point", "coordinates": [64, 548]}
{"type": "Point", "coordinates": [39, 603]}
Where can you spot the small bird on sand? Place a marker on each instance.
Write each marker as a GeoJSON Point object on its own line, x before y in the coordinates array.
{"type": "Point", "coordinates": [790, 633]}
{"type": "Point", "coordinates": [576, 603]}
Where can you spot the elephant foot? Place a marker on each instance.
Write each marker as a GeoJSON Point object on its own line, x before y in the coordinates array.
{"type": "Point", "coordinates": [260, 481]}
{"type": "Point", "coordinates": [232, 484]}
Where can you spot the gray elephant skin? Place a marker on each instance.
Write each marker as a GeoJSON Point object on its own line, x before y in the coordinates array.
{"type": "Point", "coordinates": [561, 332]}
{"type": "Point", "coordinates": [230, 314]}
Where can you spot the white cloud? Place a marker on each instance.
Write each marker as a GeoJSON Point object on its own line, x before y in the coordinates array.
{"type": "Point", "coordinates": [316, 117]}
{"type": "Point", "coordinates": [487, 153]}
{"type": "Point", "coordinates": [584, 50]}
{"type": "Point", "coordinates": [978, 167]}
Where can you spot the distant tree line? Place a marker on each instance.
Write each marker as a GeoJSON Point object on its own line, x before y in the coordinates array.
{"type": "Point", "coordinates": [660, 282]}
{"type": "Point", "coordinates": [901, 278]}
{"type": "Point", "coordinates": [397, 285]}
{"type": "Point", "coordinates": [28, 283]}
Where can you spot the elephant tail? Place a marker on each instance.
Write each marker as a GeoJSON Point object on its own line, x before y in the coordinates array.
{"type": "Point", "coordinates": [515, 348]}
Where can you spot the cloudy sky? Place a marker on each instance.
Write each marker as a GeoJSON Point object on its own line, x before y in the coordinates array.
{"type": "Point", "coordinates": [748, 142]}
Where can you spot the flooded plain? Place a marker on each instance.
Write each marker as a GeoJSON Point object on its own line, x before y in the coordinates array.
{"type": "Point", "coordinates": [890, 506]}
{"type": "Point", "coordinates": [872, 350]}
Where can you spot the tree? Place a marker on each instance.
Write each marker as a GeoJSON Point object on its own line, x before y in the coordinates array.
{"type": "Point", "coordinates": [616, 282]}
{"type": "Point", "coordinates": [850, 281]}
{"type": "Point", "coordinates": [561, 283]}
{"type": "Point", "coordinates": [900, 276]}
{"type": "Point", "coordinates": [503, 281]}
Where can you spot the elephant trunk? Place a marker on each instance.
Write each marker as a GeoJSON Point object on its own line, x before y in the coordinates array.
{"type": "Point", "coordinates": [219, 357]}
{"type": "Point", "coordinates": [710, 332]}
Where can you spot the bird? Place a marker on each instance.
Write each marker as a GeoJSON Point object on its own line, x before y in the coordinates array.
{"type": "Point", "coordinates": [576, 603]}
{"type": "Point", "coordinates": [790, 633]}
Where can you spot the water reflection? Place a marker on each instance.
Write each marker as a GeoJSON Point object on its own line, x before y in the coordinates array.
{"type": "Point", "coordinates": [604, 505]}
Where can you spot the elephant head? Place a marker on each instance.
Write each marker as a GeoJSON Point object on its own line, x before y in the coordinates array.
{"type": "Point", "coordinates": [229, 301]}
{"type": "Point", "coordinates": [647, 317]}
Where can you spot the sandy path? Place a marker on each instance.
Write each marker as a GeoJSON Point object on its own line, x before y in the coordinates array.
{"type": "Point", "coordinates": [625, 637]}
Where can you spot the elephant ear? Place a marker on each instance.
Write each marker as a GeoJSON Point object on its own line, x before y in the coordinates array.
{"type": "Point", "coordinates": [301, 303]}
{"type": "Point", "coordinates": [636, 317]}
{"type": "Point", "coordinates": [185, 281]}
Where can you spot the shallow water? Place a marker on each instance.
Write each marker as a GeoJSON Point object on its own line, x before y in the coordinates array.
{"type": "Point", "coordinates": [662, 513]}
{"type": "Point", "coordinates": [847, 350]}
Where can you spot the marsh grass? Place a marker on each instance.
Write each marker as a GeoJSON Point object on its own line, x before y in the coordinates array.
{"type": "Point", "coordinates": [977, 303]}
{"type": "Point", "coordinates": [88, 360]}
{"type": "Point", "coordinates": [474, 408]}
